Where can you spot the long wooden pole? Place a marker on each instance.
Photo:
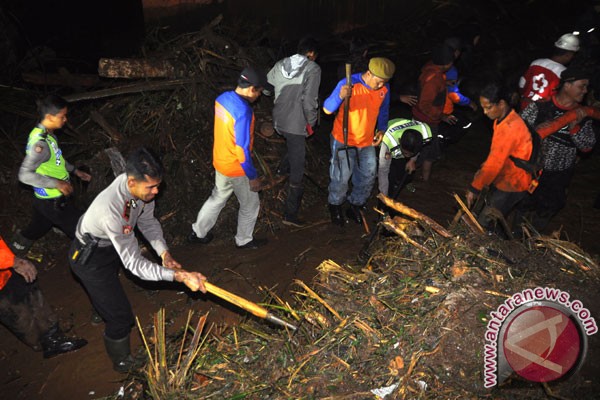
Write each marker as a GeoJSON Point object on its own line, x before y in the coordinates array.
{"type": "Point", "coordinates": [247, 305]}
{"type": "Point", "coordinates": [244, 304]}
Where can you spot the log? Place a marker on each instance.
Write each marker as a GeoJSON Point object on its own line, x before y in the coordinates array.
{"type": "Point", "coordinates": [131, 68]}
{"type": "Point", "coordinates": [414, 214]}
{"type": "Point", "coordinates": [133, 88]}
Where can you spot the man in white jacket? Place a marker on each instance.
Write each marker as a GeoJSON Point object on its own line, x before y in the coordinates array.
{"type": "Point", "coordinates": [296, 80]}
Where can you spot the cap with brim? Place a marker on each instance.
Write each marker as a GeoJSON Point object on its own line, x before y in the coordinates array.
{"type": "Point", "coordinates": [256, 78]}
{"type": "Point", "coordinates": [574, 73]}
{"type": "Point", "coordinates": [382, 67]}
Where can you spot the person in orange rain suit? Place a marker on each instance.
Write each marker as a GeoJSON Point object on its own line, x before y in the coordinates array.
{"type": "Point", "coordinates": [509, 183]}
{"type": "Point", "coordinates": [25, 312]}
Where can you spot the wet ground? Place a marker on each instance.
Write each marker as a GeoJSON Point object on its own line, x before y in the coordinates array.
{"type": "Point", "coordinates": [290, 254]}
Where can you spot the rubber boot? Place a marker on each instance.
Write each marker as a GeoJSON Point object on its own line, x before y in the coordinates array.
{"type": "Point", "coordinates": [54, 342]}
{"type": "Point", "coordinates": [20, 245]}
{"type": "Point", "coordinates": [355, 213]}
{"type": "Point", "coordinates": [119, 352]}
{"type": "Point", "coordinates": [292, 205]}
{"type": "Point", "coordinates": [95, 318]}
{"type": "Point", "coordinates": [336, 214]}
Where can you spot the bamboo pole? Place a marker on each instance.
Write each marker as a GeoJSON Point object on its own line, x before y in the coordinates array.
{"type": "Point", "coordinates": [390, 225]}
{"type": "Point", "coordinates": [465, 209]}
{"type": "Point", "coordinates": [414, 214]}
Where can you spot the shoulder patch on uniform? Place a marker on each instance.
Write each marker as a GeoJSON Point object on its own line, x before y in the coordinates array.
{"type": "Point", "coordinates": [38, 149]}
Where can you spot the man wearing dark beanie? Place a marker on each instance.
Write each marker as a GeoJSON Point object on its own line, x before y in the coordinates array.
{"type": "Point", "coordinates": [431, 99]}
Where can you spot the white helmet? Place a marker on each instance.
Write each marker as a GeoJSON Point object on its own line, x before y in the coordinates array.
{"type": "Point", "coordinates": [568, 41]}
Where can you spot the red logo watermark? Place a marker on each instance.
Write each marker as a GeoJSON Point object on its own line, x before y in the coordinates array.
{"type": "Point", "coordinates": [542, 344]}
{"type": "Point", "coordinates": [540, 334]}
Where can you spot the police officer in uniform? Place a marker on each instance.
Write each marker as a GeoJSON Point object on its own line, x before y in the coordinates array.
{"type": "Point", "coordinates": [400, 147]}
{"type": "Point", "coordinates": [46, 170]}
{"type": "Point", "coordinates": [105, 238]}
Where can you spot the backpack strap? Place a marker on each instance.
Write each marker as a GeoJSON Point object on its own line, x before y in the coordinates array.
{"type": "Point", "coordinates": [533, 166]}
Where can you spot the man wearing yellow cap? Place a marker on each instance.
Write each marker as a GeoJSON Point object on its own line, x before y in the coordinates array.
{"type": "Point", "coordinates": [369, 97]}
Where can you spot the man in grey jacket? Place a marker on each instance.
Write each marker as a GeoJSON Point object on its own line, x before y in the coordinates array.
{"type": "Point", "coordinates": [296, 80]}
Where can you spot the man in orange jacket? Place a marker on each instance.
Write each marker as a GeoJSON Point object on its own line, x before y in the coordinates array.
{"type": "Point", "coordinates": [24, 311]}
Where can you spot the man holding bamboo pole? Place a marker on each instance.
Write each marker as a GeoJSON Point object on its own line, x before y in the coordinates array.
{"type": "Point", "coordinates": [357, 129]}
{"type": "Point", "coordinates": [105, 238]}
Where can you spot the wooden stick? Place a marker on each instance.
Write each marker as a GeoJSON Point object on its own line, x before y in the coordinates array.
{"type": "Point", "coordinates": [390, 225]}
{"type": "Point", "coordinates": [364, 222]}
{"type": "Point", "coordinates": [247, 305]}
{"type": "Point", "coordinates": [464, 208]}
{"type": "Point", "coordinates": [133, 88]}
{"type": "Point", "coordinates": [244, 304]}
{"type": "Point", "coordinates": [414, 214]}
{"type": "Point", "coordinates": [98, 118]}
{"type": "Point", "coordinates": [456, 218]}
{"type": "Point", "coordinates": [317, 297]}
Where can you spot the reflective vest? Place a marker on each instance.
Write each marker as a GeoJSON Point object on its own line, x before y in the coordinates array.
{"type": "Point", "coordinates": [53, 167]}
{"type": "Point", "coordinates": [397, 127]}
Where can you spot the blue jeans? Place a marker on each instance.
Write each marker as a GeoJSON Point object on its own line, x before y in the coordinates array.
{"type": "Point", "coordinates": [363, 174]}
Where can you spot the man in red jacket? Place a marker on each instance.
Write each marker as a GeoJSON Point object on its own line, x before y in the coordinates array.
{"type": "Point", "coordinates": [431, 99]}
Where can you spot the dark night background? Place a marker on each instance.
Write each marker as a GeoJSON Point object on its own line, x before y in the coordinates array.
{"type": "Point", "coordinates": [80, 32]}
{"type": "Point", "coordinates": [49, 36]}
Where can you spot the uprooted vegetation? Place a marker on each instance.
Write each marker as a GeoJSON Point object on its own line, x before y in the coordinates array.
{"type": "Point", "coordinates": [409, 323]}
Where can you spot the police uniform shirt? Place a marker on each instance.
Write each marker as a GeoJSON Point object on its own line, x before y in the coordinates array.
{"type": "Point", "coordinates": [112, 218]}
{"type": "Point", "coordinates": [39, 154]}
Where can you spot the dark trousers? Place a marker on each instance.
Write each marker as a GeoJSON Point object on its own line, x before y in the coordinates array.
{"type": "Point", "coordinates": [100, 278]}
{"type": "Point", "coordinates": [548, 199]}
{"type": "Point", "coordinates": [503, 202]}
{"type": "Point", "coordinates": [398, 176]}
{"type": "Point", "coordinates": [25, 312]}
{"type": "Point", "coordinates": [60, 212]}
{"type": "Point", "coordinates": [294, 158]}
{"type": "Point", "coordinates": [451, 134]}
{"type": "Point", "coordinates": [432, 151]}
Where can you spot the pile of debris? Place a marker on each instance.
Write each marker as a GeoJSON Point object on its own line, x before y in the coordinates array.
{"type": "Point", "coordinates": [408, 323]}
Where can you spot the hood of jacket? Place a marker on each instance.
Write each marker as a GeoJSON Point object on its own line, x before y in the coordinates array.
{"type": "Point", "coordinates": [431, 69]}
{"type": "Point", "coordinates": [293, 66]}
